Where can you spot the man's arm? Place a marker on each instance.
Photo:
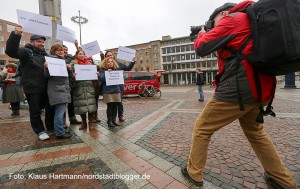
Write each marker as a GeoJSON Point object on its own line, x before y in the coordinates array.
{"type": "Point", "coordinates": [13, 45]}
{"type": "Point", "coordinates": [216, 38]}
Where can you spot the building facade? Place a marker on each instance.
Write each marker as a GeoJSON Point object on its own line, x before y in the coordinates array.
{"type": "Point", "coordinates": [147, 56]}
{"type": "Point", "coordinates": [5, 29]}
{"type": "Point", "coordinates": [180, 61]}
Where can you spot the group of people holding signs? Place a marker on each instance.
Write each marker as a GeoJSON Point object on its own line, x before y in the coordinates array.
{"type": "Point", "coordinates": [52, 80]}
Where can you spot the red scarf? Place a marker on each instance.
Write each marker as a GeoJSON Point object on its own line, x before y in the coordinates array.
{"type": "Point", "coordinates": [82, 62]}
{"type": "Point", "coordinates": [11, 72]}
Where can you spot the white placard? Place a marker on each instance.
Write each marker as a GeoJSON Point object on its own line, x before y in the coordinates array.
{"type": "Point", "coordinates": [57, 67]}
{"type": "Point", "coordinates": [91, 48]}
{"type": "Point", "coordinates": [114, 78]}
{"type": "Point", "coordinates": [35, 23]}
{"type": "Point", "coordinates": [126, 54]}
{"type": "Point", "coordinates": [65, 34]}
{"type": "Point", "coordinates": [86, 72]}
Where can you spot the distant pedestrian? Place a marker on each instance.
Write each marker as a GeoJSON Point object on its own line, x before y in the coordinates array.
{"type": "Point", "coordinates": [32, 59]}
{"type": "Point", "coordinates": [12, 92]}
{"type": "Point", "coordinates": [200, 81]}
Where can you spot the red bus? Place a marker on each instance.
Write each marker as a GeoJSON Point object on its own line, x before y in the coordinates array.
{"type": "Point", "coordinates": [133, 79]}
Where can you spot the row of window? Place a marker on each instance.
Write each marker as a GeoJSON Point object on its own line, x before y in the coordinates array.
{"type": "Point", "coordinates": [155, 62]}
{"type": "Point", "coordinates": [175, 42]}
{"type": "Point", "coordinates": [182, 57]}
{"type": "Point", "coordinates": [178, 49]}
{"type": "Point", "coordinates": [155, 55]}
{"type": "Point", "coordinates": [179, 66]}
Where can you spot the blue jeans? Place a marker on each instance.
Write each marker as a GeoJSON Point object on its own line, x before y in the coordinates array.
{"type": "Point", "coordinates": [59, 119]}
{"type": "Point", "coordinates": [200, 92]}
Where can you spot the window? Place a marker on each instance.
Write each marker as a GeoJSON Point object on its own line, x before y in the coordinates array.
{"type": "Point", "coordinates": [1, 26]}
{"type": "Point", "coordinates": [172, 49]}
{"type": "Point", "coordinates": [147, 60]}
{"type": "Point", "coordinates": [142, 76]}
{"type": "Point", "coordinates": [165, 67]}
{"type": "Point", "coordinates": [10, 28]}
{"type": "Point", "coordinates": [1, 38]}
{"type": "Point", "coordinates": [141, 54]}
{"type": "Point", "coordinates": [22, 42]}
{"type": "Point", "coordinates": [192, 48]}
{"type": "Point", "coordinates": [192, 56]}
{"type": "Point", "coordinates": [187, 48]}
{"type": "Point", "coordinates": [177, 58]}
{"type": "Point", "coordinates": [188, 65]}
{"type": "Point", "coordinates": [148, 69]}
{"type": "Point", "coordinates": [155, 63]}
{"type": "Point", "coordinates": [2, 50]}
{"type": "Point", "coordinates": [168, 50]}
{"type": "Point", "coordinates": [182, 57]}
{"type": "Point", "coordinates": [178, 49]}
{"type": "Point", "coordinates": [155, 47]}
{"type": "Point", "coordinates": [164, 50]}
{"type": "Point", "coordinates": [164, 59]}
{"type": "Point", "coordinates": [174, 66]}
{"type": "Point", "coordinates": [188, 57]}
{"type": "Point", "coordinates": [141, 61]}
{"type": "Point", "coordinates": [154, 55]}
{"type": "Point", "coordinates": [148, 46]}
{"type": "Point", "coordinates": [183, 66]}
{"type": "Point", "coordinates": [168, 58]}
{"type": "Point", "coordinates": [125, 75]}
{"type": "Point", "coordinates": [182, 48]}
{"type": "Point", "coordinates": [147, 53]}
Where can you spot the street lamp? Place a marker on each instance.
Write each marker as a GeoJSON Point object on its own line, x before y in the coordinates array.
{"type": "Point", "coordinates": [79, 20]}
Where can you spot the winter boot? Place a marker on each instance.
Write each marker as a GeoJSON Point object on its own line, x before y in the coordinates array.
{"type": "Point", "coordinates": [83, 124]}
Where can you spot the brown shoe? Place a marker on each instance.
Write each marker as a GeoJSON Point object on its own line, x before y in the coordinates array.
{"type": "Point", "coordinates": [121, 119]}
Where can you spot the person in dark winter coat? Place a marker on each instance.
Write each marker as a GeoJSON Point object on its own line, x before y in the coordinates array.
{"type": "Point", "coordinates": [59, 93]}
{"type": "Point", "coordinates": [33, 80]}
{"type": "Point", "coordinates": [200, 80]}
{"type": "Point", "coordinates": [112, 93]}
{"type": "Point", "coordinates": [73, 120]}
{"type": "Point", "coordinates": [84, 94]}
{"type": "Point", "coordinates": [235, 84]}
{"type": "Point", "coordinates": [12, 92]}
{"type": "Point", "coordinates": [121, 67]}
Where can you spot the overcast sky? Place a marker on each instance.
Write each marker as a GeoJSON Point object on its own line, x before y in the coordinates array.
{"type": "Point", "coordinates": [116, 23]}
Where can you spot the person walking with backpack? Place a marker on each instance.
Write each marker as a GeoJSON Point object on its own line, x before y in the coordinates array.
{"type": "Point", "coordinates": [58, 92]}
{"type": "Point", "coordinates": [200, 82]}
{"type": "Point", "coordinates": [12, 92]}
{"type": "Point", "coordinates": [32, 58]}
{"type": "Point", "coordinates": [235, 97]}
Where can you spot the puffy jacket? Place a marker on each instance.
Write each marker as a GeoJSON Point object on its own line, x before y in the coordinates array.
{"type": "Point", "coordinates": [58, 88]}
{"type": "Point", "coordinates": [32, 61]}
{"type": "Point", "coordinates": [232, 31]}
{"type": "Point", "coordinates": [108, 89]}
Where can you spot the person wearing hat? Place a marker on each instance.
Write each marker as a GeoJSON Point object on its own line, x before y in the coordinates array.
{"type": "Point", "coordinates": [12, 92]}
{"type": "Point", "coordinates": [235, 97]}
{"type": "Point", "coordinates": [32, 58]}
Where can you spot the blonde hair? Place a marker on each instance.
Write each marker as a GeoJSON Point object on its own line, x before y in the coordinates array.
{"type": "Point", "coordinates": [104, 63]}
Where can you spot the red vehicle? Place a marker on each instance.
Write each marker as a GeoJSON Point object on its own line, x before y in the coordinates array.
{"type": "Point", "coordinates": [142, 83]}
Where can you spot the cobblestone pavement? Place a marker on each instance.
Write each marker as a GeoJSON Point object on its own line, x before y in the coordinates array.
{"type": "Point", "coordinates": [154, 142]}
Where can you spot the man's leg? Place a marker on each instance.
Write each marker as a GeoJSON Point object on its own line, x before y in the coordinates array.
{"type": "Point", "coordinates": [265, 150]}
{"type": "Point", "coordinates": [200, 90]}
{"type": "Point", "coordinates": [49, 113]}
{"type": "Point", "coordinates": [71, 113]}
{"type": "Point", "coordinates": [214, 116]}
{"type": "Point", "coordinates": [35, 105]}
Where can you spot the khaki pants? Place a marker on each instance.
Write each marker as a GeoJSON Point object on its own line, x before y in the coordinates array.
{"type": "Point", "coordinates": [218, 114]}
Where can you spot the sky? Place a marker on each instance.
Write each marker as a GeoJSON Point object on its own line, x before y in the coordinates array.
{"type": "Point", "coordinates": [116, 23]}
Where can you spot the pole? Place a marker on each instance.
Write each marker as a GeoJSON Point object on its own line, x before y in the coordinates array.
{"type": "Point", "coordinates": [80, 28]}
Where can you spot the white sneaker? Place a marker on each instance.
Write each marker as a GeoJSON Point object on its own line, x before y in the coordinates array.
{"type": "Point", "coordinates": [44, 136]}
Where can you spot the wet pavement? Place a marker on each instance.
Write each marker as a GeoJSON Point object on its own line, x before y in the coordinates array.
{"type": "Point", "coordinates": [149, 148]}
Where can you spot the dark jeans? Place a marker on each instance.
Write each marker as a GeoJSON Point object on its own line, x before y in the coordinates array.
{"type": "Point", "coordinates": [15, 106]}
{"type": "Point", "coordinates": [71, 112]}
{"type": "Point", "coordinates": [120, 106]}
{"type": "Point", "coordinates": [36, 102]}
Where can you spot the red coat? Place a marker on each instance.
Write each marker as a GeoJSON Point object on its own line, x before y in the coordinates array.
{"type": "Point", "coordinates": [232, 31]}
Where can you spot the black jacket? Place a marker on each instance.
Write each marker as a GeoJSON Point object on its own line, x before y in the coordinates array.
{"type": "Point", "coordinates": [32, 62]}
{"type": "Point", "coordinates": [200, 80]}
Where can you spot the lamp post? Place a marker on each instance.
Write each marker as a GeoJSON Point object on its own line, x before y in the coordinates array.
{"type": "Point", "coordinates": [79, 20]}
